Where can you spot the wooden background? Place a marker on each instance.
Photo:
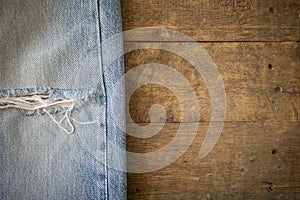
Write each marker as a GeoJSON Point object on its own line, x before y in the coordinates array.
{"type": "Point", "coordinates": [255, 44]}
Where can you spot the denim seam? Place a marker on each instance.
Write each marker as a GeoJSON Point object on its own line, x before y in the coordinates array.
{"type": "Point", "coordinates": [104, 91]}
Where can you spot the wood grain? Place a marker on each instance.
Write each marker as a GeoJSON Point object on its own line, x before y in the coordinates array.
{"type": "Point", "coordinates": [255, 44]}
{"type": "Point", "coordinates": [218, 20]}
{"type": "Point", "coordinates": [252, 74]}
{"type": "Point", "coordinates": [252, 160]}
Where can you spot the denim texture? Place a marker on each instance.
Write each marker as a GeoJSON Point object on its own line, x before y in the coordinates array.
{"type": "Point", "coordinates": [53, 47]}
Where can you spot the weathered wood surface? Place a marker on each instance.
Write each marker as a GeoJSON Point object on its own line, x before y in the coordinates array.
{"type": "Point", "coordinates": [254, 44]}
{"type": "Point", "coordinates": [260, 119]}
{"type": "Point", "coordinates": [218, 20]}
{"type": "Point", "coordinates": [252, 160]}
{"type": "Point", "coordinates": [252, 74]}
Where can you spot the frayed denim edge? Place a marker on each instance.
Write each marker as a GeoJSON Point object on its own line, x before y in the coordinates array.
{"type": "Point", "coordinates": [79, 96]}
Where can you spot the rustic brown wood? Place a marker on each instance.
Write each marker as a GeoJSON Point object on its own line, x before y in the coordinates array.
{"type": "Point", "coordinates": [218, 20]}
{"type": "Point", "coordinates": [252, 74]}
{"type": "Point", "coordinates": [255, 44]}
{"type": "Point", "coordinates": [252, 160]}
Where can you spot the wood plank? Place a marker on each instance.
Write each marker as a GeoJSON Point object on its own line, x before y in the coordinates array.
{"type": "Point", "coordinates": [252, 160]}
{"type": "Point", "coordinates": [253, 73]}
{"type": "Point", "coordinates": [218, 20]}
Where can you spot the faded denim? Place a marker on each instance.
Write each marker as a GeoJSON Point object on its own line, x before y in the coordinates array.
{"type": "Point", "coordinates": [53, 47]}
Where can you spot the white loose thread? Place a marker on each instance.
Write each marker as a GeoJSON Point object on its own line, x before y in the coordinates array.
{"type": "Point", "coordinates": [59, 123]}
{"type": "Point", "coordinates": [36, 101]}
{"type": "Point", "coordinates": [68, 117]}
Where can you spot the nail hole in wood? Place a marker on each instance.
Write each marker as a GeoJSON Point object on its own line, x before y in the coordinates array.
{"type": "Point", "coordinates": [270, 66]}
{"type": "Point", "coordinates": [271, 187]}
{"type": "Point", "coordinates": [278, 89]}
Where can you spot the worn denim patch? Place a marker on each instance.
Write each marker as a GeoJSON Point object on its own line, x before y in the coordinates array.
{"type": "Point", "coordinates": [51, 54]}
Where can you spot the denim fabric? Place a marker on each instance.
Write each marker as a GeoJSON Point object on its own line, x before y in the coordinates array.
{"type": "Point", "coordinates": [53, 48]}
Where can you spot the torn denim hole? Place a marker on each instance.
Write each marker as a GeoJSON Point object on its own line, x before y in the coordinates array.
{"type": "Point", "coordinates": [41, 101]}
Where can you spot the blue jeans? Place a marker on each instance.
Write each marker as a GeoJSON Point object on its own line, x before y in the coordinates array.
{"type": "Point", "coordinates": [56, 119]}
